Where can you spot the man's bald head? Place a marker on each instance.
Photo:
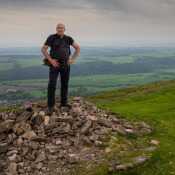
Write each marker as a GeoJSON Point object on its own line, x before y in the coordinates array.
{"type": "Point", "coordinates": [60, 28]}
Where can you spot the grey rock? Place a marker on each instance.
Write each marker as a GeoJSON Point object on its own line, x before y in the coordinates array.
{"type": "Point", "coordinates": [6, 125]}
{"type": "Point", "coordinates": [13, 168]}
{"type": "Point", "coordinates": [41, 157]}
{"type": "Point", "coordinates": [86, 127]}
{"type": "Point", "coordinates": [3, 148]}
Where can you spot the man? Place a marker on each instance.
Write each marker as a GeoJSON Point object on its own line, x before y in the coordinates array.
{"type": "Point", "coordinates": [60, 58]}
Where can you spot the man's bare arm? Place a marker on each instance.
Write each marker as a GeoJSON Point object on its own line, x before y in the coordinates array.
{"type": "Point", "coordinates": [44, 51]}
{"type": "Point", "coordinates": [76, 53]}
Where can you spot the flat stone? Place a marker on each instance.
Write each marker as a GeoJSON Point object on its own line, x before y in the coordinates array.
{"type": "Point", "coordinates": [86, 127]}
{"type": "Point", "coordinates": [46, 120]}
{"type": "Point", "coordinates": [140, 160]}
{"type": "Point", "coordinates": [41, 157]}
{"type": "Point", "coordinates": [3, 148]}
{"type": "Point", "coordinates": [124, 167]}
{"type": "Point", "coordinates": [155, 142]}
{"type": "Point", "coordinates": [21, 127]}
{"type": "Point", "coordinates": [6, 125]}
{"type": "Point", "coordinates": [76, 98]}
{"type": "Point", "coordinates": [29, 135]}
{"type": "Point", "coordinates": [121, 130]}
{"type": "Point", "coordinates": [13, 168]}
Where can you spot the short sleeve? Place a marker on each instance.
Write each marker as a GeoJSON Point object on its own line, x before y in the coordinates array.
{"type": "Point", "coordinates": [49, 40]}
{"type": "Point", "coordinates": [71, 40]}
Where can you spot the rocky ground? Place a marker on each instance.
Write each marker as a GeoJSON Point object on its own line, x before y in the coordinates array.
{"type": "Point", "coordinates": [74, 141]}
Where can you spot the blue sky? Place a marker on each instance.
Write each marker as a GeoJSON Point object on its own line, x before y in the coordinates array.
{"type": "Point", "coordinates": [89, 22]}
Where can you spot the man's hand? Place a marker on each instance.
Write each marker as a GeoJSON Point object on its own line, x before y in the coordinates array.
{"type": "Point", "coordinates": [71, 60]}
{"type": "Point", "coordinates": [54, 63]}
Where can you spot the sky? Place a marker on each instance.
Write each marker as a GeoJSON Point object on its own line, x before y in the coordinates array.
{"type": "Point", "coordinates": [90, 22]}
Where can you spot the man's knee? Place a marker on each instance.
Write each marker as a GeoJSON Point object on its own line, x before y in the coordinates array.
{"type": "Point", "coordinates": [52, 84]}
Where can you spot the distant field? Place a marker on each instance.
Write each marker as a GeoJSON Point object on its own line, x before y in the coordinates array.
{"type": "Point", "coordinates": [97, 69]}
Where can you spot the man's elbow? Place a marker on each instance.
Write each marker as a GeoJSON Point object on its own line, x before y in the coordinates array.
{"type": "Point", "coordinates": [78, 49]}
{"type": "Point", "coordinates": [43, 49]}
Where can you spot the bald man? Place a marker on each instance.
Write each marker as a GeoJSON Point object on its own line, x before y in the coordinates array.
{"type": "Point", "coordinates": [60, 58]}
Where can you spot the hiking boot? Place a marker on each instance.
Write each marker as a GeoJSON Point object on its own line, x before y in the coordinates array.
{"type": "Point", "coordinates": [50, 110]}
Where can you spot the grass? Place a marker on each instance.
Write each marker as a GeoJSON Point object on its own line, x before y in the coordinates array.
{"type": "Point", "coordinates": [153, 103]}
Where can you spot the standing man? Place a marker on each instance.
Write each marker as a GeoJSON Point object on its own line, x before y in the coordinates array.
{"type": "Point", "coordinates": [60, 59]}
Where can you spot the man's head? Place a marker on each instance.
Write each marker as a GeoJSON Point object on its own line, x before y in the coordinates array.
{"type": "Point", "coordinates": [60, 28]}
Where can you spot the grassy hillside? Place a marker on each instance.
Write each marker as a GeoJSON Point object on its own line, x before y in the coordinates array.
{"type": "Point", "coordinates": [155, 104]}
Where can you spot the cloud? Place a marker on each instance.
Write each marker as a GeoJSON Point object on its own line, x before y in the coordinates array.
{"type": "Point", "coordinates": [99, 19]}
{"type": "Point", "coordinates": [149, 8]}
{"type": "Point", "coordinates": [156, 11]}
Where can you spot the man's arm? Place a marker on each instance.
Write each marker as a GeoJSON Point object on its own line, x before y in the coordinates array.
{"type": "Point", "coordinates": [44, 51]}
{"type": "Point", "coordinates": [76, 53]}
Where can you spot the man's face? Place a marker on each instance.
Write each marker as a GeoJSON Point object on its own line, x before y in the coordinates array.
{"type": "Point", "coordinates": [60, 29]}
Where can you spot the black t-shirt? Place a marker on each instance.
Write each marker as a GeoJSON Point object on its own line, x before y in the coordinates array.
{"type": "Point", "coordinates": [59, 47]}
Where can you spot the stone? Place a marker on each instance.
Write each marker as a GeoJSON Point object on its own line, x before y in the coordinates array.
{"type": "Point", "coordinates": [104, 122]}
{"type": "Point", "coordinates": [42, 113]}
{"type": "Point", "coordinates": [37, 120]}
{"type": "Point", "coordinates": [39, 139]}
{"type": "Point", "coordinates": [34, 145]}
{"type": "Point", "coordinates": [6, 125]}
{"type": "Point", "coordinates": [21, 127]}
{"type": "Point", "coordinates": [24, 116]}
{"type": "Point", "coordinates": [76, 109]}
{"type": "Point", "coordinates": [19, 141]}
{"type": "Point", "coordinates": [3, 148]}
{"type": "Point", "coordinates": [39, 165]}
{"type": "Point", "coordinates": [121, 130]}
{"type": "Point", "coordinates": [98, 143]}
{"type": "Point", "coordinates": [108, 150]}
{"type": "Point", "coordinates": [13, 169]}
{"type": "Point", "coordinates": [86, 127]}
{"type": "Point", "coordinates": [58, 142]}
{"type": "Point", "coordinates": [140, 160]}
{"type": "Point", "coordinates": [11, 152]}
{"type": "Point", "coordinates": [41, 157]}
{"type": "Point", "coordinates": [92, 117]}
{"type": "Point", "coordinates": [29, 135]}
{"type": "Point", "coordinates": [52, 148]}
{"type": "Point", "coordinates": [129, 131]}
{"type": "Point", "coordinates": [73, 158]}
{"type": "Point", "coordinates": [12, 157]}
{"type": "Point", "coordinates": [144, 125]}
{"type": "Point", "coordinates": [124, 167]}
{"type": "Point", "coordinates": [155, 142]}
{"type": "Point", "coordinates": [76, 98]}
{"type": "Point", "coordinates": [46, 120]}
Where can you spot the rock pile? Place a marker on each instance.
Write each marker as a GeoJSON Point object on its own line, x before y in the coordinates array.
{"type": "Point", "coordinates": [33, 143]}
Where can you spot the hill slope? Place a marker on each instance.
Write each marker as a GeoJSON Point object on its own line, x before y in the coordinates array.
{"type": "Point", "coordinates": [153, 103]}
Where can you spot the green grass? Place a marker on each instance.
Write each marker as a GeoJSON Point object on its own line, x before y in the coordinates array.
{"type": "Point", "coordinates": [155, 104]}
